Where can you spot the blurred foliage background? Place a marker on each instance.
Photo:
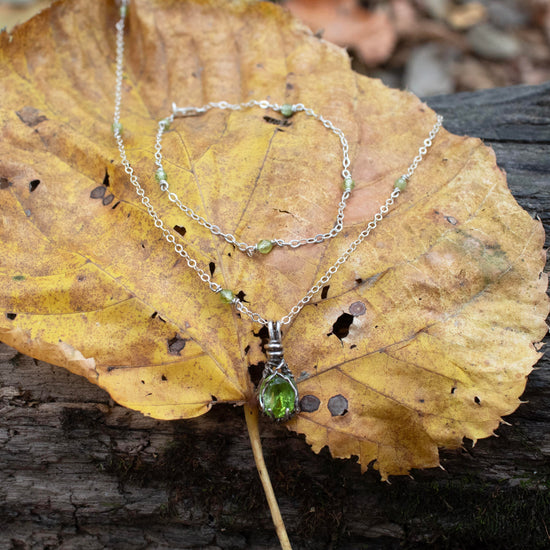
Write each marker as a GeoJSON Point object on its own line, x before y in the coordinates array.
{"type": "Point", "coordinates": [430, 47]}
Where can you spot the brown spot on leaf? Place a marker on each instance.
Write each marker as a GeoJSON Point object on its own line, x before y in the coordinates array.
{"type": "Point", "coordinates": [30, 116]}
{"type": "Point", "coordinates": [309, 403]}
{"type": "Point", "coordinates": [108, 200]}
{"type": "Point", "coordinates": [176, 345]}
{"type": "Point", "coordinates": [338, 405]}
{"type": "Point", "coordinates": [357, 308]}
{"type": "Point", "coordinates": [5, 183]}
{"type": "Point", "coordinates": [98, 192]}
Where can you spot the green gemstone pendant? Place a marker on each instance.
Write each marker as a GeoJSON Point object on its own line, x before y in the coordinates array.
{"type": "Point", "coordinates": [277, 392]}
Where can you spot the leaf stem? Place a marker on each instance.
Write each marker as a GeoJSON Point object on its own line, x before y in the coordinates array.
{"type": "Point", "coordinates": [252, 423]}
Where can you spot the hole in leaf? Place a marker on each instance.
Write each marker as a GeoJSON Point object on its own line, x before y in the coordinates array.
{"type": "Point", "coordinates": [240, 295]}
{"type": "Point", "coordinates": [212, 268]}
{"type": "Point", "coordinates": [214, 398]}
{"type": "Point", "coordinates": [353, 346]}
{"type": "Point", "coordinates": [143, 381]}
{"type": "Point", "coordinates": [263, 333]}
{"type": "Point", "coordinates": [163, 378]}
{"type": "Point", "coordinates": [340, 328]}
{"type": "Point", "coordinates": [157, 316]}
{"type": "Point", "coordinates": [277, 121]}
{"type": "Point", "coordinates": [246, 350]}
{"type": "Point", "coordinates": [4, 183]}
{"type": "Point", "coordinates": [451, 220]}
{"type": "Point", "coordinates": [309, 403]}
{"type": "Point", "coordinates": [338, 405]}
{"type": "Point", "coordinates": [176, 344]}
{"type": "Point", "coordinates": [180, 230]}
{"type": "Point", "coordinates": [255, 372]}
{"type": "Point", "coordinates": [11, 316]}
{"type": "Point", "coordinates": [33, 185]}
{"type": "Point", "coordinates": [359, 280]}
{"type": "Point", "coordinates": [477, 400]}
{"type": "Point", "coordinates": [98, 192]}
{"type": "Point", "coordinates": [106, 179]}
{"type": "Point", "coordinates": [108, 200]}
{"type": "Point", "coordinates": [115, 205]}
{"type": "Point", "coordinates": [324, 292]}
{"type": "Point", "coordinates": [453, 389]}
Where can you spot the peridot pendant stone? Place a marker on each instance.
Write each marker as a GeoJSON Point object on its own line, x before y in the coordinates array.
{"type": "Point", "coordinates": [264, 246]}
{"type": "Point", "coordinates": [279, 397]}
{"type": "Point", "coordinates": [277, 392]}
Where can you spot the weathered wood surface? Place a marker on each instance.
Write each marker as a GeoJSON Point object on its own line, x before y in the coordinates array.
{"type": "Point", "coordinates": [79, 472]}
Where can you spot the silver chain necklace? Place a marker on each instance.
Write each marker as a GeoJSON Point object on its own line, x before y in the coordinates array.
{"type": "Point", "coordinates": [265, 245]}
{"type": "Point", "coordinates": [277, 392]}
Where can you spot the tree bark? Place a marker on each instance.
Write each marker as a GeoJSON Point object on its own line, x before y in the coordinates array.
{"type": "Point", "coordinates": [78, 471]}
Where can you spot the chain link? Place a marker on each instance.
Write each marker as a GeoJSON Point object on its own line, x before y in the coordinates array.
{"type": "Point", "coordinates": [214, 229]}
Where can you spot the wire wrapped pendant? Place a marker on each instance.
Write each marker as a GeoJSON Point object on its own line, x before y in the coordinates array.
{"type": "Point", "coordinates": [277, 391]}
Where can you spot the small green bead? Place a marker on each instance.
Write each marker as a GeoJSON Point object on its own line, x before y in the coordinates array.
{"type": "Point", "coordinates": [400, 183]}
{"type": "Point", "coordinates": [116, 127]}
{"type": "Point", "coordinates": [160, 175]}
{"type": "Point", "coordinates": [348, 184]}
{"type": "Point", "coordinates": [123, 10]}
{"type": "Point", "coordinates": [166, 123]}
{"type": "Point", "coordinates": [286, 110]}
{"type": "Point", "coordinates": [264, 246]}
{"type": "Point", "coordinates": [227, 296]}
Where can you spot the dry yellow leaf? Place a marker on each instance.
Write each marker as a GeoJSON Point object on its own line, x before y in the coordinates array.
{"type": "Point", "coordinates": [441, 304]}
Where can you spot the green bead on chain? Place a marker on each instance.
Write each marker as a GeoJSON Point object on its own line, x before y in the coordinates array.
{"type": "Point", "coordinates": [160, 175]}
{"type": "Point", "coordinates": [264, 246]}
{"type": "Point", "coordinates": [348, 184]}
{"type": "Point", "coordinates": [400, 183]}
{"type": "Point", "coordinates": [227, 296]}
{"type": "Point", "coordinates": [287, 110]}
